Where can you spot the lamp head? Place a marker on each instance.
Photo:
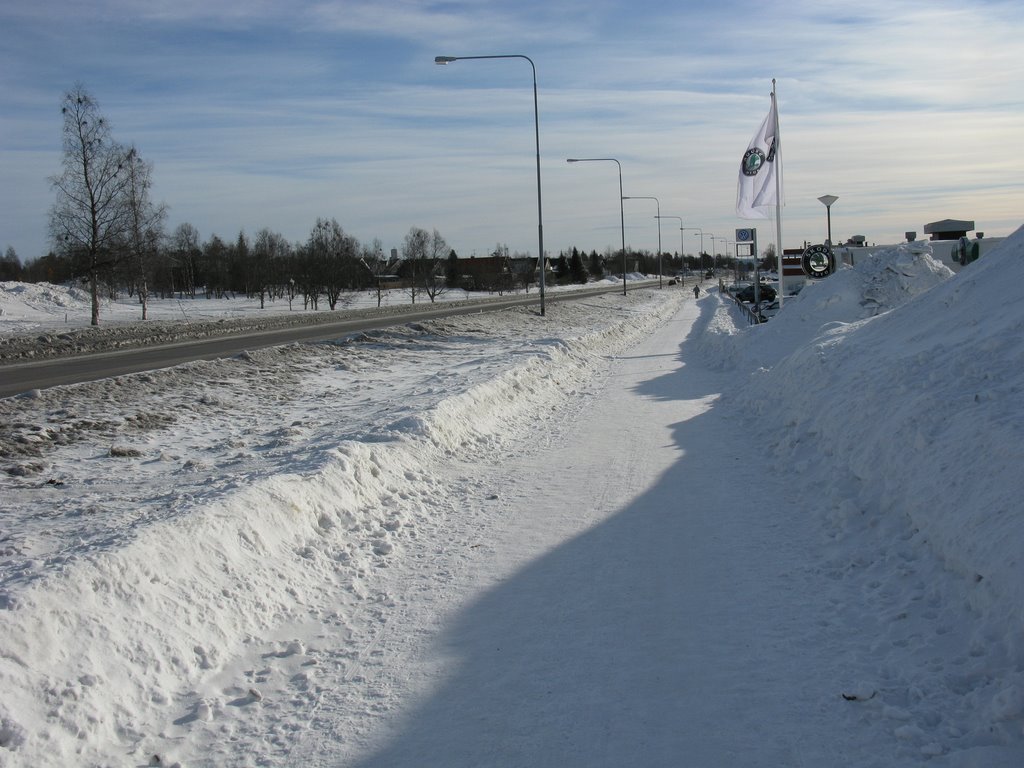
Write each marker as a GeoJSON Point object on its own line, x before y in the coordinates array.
{"type": "Point", "coordinates": [445, 59]}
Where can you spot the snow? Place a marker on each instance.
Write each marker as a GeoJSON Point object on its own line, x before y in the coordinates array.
{"type": "Point", "coordinates": [635, 531]}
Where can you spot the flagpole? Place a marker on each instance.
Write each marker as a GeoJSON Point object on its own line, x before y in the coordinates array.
{"type": "Point", "coordinates": [778, 201]}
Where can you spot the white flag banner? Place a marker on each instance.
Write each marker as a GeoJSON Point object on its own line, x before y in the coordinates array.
{"type": "Point", "coordinates": [756, 190]}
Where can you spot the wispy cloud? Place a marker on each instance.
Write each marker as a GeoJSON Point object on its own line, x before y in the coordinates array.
{"type": "Point", "coordinates": [274, 113]}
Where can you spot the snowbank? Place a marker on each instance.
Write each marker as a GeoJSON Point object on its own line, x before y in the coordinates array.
{"type": "Point", "coordinates": [876, 284]}
{"type": "Point", "coordinates": [140, 589]}
{"type": "Point", "coordinates": [898, 383]}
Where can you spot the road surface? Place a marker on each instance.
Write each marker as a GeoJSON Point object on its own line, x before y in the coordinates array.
{"type": "Point", "coordinates": [16, 378]}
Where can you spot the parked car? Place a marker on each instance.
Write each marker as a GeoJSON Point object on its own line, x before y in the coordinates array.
{"type": "Point", "coordinates": [746, 294]}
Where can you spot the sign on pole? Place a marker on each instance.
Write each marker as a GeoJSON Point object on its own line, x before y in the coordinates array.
{"type": "Point", "coordinates": [746, 242]}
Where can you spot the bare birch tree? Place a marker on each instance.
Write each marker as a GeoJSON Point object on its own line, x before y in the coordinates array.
{"type": "Point", "coordinates": [185, 252]}
{"type": "Point", "coordinates": [269, 251]}
{"type": "Point", "coordinates": [376, 265]}
{"type": "Point", "coordinates": [414, 252]}
{"type": "Point", "coordinates": [145, 226]}
{"type": "Point", "coordinates": [434, 277]}
{"type": "Point", "coordinates": [90, 214]}
{"type": "Point", "coordinates": [333, 254]}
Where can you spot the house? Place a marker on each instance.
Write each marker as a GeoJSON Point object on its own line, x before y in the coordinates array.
{"type": "Point", "coordinates": [496, 273]}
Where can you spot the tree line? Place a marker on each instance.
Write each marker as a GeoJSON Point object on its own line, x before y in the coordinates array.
{"type": "Point", "coordinates": [109, 233]}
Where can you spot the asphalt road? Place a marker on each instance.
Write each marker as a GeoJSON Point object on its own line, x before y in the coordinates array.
{"type": "Point", "coordinates": [17, 378]}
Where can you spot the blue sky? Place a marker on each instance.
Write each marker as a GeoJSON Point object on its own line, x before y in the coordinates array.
{"type": "Point", "coordinates": [273, 113]}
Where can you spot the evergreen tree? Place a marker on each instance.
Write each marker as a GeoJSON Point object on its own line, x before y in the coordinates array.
{"type": "Point", "coordinates": [452, 273]}
{"type": "Point", "coordinates": [577, 270]}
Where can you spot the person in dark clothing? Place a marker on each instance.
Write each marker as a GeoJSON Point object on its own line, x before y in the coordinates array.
{"type": "Point", "coordinates": [696, 291]}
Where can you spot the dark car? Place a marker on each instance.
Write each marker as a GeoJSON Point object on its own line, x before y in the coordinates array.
{"type": "Point", "coordinates": [746, 294]}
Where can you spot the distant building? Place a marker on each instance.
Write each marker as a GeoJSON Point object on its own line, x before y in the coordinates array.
{"type": "Point", "coordinates": [948, 229]}
{"type": "Point", "coordinates": [496, 273]}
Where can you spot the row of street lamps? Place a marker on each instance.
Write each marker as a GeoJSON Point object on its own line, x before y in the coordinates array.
{"type": "Point", "coordinates": [622, 218]}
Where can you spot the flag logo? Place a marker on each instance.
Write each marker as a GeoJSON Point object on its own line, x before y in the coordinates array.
{"type": "Point", "coordinates": [753, 159]}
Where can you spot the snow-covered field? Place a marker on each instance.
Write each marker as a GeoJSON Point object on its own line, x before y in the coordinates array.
{"type": "Point", "coordinates": [632, 532]}
{"type": "Point", "coordinates": [26, 307]}
{"type": "Point", "coordinates": [43, 320]}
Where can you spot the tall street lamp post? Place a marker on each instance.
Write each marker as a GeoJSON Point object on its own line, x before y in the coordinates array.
{"type": "Point", "coordinates": [827, 201]}
{"type": "Point", "coordinates": [714, 258]}
{"type": "Point", "coordinates": [658, 217]}
{"type": "Point", "coordinates": [701, 269]}
{"type": "Point", "coordinates": [536, 134]}
{"type": "Point", "coordinates": [725, 248]}
{"type": "Point", "coordinates": [682, 247]}
{"type": "Point", "coordinates": [622, 215]}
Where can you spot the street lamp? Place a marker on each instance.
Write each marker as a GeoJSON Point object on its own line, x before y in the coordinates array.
{"type": "Point", "coordinates": [658, 217]}
{"type": "Point", "coordinates": [725, 248]}
{"type": "Point", "coordinates": [536, 134]}
{"type": "Point", "coordinates": [827, 201]}
{"type": "Point", "coordinates": [622, 215]}
{"type": "Point", "coordinates": [682, 247]}
{"type": "Point", "coordinates": [701, 268]}
{"type": "Point", "coordinates": [714, 261]}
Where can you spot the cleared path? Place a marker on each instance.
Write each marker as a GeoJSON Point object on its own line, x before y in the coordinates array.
{"type": "Point", "coordinates": [642, 599]}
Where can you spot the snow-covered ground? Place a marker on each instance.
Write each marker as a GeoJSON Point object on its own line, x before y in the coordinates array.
{"type": "Point", "coordinates": [40, 321]}
{"type": "Point", "coordinates": [27, 307]}
{"type": "Point", "coordinates": [43, 320]}
{"type": "Point", "coordinates": [632, 532]}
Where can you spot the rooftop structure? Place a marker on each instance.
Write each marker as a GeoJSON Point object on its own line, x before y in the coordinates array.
{"type": "Point", "coordinates": [948, 229]}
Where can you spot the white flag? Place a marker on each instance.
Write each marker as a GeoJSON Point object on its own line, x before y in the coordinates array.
{"type": "Point", "coordinates": [755, 192]}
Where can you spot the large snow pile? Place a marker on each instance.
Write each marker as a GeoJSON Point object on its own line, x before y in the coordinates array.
{"type": "Point", "coordinates": [31, 302]}
{"type": "Point", "coordinates": [875, 284]}
{"type": "Point", "coordinates": [891, 388]}
{"type": "Point", "coordinates": [914, 407]}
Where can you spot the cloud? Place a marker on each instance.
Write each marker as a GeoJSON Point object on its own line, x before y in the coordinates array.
{"type": "Point", "coordinates": [281, 112]}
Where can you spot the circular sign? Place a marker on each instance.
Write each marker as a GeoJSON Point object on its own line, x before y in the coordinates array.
{"type": "Point", "coordinates": [753, 159]}
{"type": "Point", "coordinates": [818, 261]}
{"type": "Point", "coordinates": [743, 235]}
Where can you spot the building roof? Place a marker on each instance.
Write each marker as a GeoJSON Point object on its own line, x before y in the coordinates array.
{"type": "Point", "coordinates": [948, 225]}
